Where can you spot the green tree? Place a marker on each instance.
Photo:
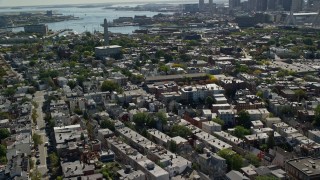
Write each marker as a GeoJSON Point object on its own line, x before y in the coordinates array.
{"type": "Point", "coordinates": [36, 175]}
{"type": "Point", "coordinates": [173, 146]}
{"type": "Point", "coordinates": [168, 58]}
{"type": "Point", "coordinates": [244, 119]}
{"type": "Point", "coordinates": [74, 57]}
{"type": "Point", "coordinates": [253, 159]}
{"type": "Point", "coordinates": [34, 116]}
{"type": "Point", "coordinates": [209, 101]}
{"type": "Point", "coordinates": [240, 132]}
{"type": "Point", "coordinates": [35, 104]}
{"type": "Point", "coordinates": [185, 57]}
{"type": "Point", "coordinates": [110, 86]}
{"type": "Point", "coordinates": [300, 94]}
{"type": "Point", "coordinates": [218, 120]}
{"type": "Point", "coordinates": [162, 117]}
{"type": "Point", "coordinates": [54, 159]}
{"type": "Point", "coordinates": [164, 68]}
{"type": "Point", "coordinates": [179, 130]}
{"type": "Point", "coordinates": [233, 159]}
{"type": "Point", "coordinates": [9, 91]}
{"type": "Point", "coordinates": [4, 133]}
{"type": "Point", "coordinates": [32, 63]}
{"type": "Point", "coordinates": [107, 124]}
{"type": "Point", "coordinates": [54, 162]}
{"type": "Point", "coordinates": [271, 142]}
{"type": "Point", "coordinates": [37, 139]}
{"type": "Point", "coordinates": [140, 118]}
{"type": "Point", "coordinates": [159, 54]}
{"type": "Point", "coordinates": [266, 177]}
{"type": "Point", "coordinates": [72, 84]}
{"type": "Point", "coordinates": [3, 150]}
{"type": "Point", "coordinates": [87, 53]}
{"type": "Point", "coordinates": [260, 94]}
{"type": "Point", "coordinates": [109, 171]}
{"type": "Point", "coordinates": [308, 41]}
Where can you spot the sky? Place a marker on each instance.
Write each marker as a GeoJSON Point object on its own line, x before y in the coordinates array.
{"type": "Point", "coordinates": [8, 3]}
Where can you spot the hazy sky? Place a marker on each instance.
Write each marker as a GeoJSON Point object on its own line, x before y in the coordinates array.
{"type": "Point", "coordinates": [53, 2]}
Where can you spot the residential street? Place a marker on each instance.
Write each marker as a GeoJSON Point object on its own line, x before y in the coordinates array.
{"type": "Point", "coordinates": [39, 98]}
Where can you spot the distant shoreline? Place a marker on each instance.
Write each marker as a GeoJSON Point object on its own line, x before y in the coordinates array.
{"type": "Point", "coordinates": [110, 4]}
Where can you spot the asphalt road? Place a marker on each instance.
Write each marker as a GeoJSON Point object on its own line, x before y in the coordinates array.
{"type": "Point", "coordinates": [42, 167]}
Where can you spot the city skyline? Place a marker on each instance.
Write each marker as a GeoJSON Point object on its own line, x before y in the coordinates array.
{"type": "Point", "coordinates": [14, 3]}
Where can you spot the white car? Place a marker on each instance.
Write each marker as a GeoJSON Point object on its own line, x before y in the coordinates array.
{"type": "Point", "coordinates": [37, 127]}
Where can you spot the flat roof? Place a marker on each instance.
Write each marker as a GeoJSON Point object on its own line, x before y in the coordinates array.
{"type": "Point", "coordinates": [108, 47]}
{"type": "Point", "coordinates": [306, 165]}
{"type": "Point", "coordinates": [171, 77]}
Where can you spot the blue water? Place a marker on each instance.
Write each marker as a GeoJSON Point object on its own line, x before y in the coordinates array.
{"type": "Point", "coordinates": [91, 18]}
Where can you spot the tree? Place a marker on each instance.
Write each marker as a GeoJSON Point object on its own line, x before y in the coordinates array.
{"type": "Point", "coordinates": [4, 133]}
{"type": "Point", "coordinates": [244, 119]}
{"type": "Point", "coordinates": [36, 175]}
{"type": "Point", "coordinates": [233, 159]}
{"type": "Point", "coordinates": [109, 171]}
{"type": "Point", "coordinates": [34, 116]}
{"type": "Point", "coordinates": [54, 162]}
{"type": "Point", "coordinates": [253, 159]}
{"type": "Point", "coordinates": [257, 72]}
{"type": "Point", "coordinates": [271, 142]}
{"type": "Point", "coordinates": [3, 150]}
{"type": "Point", "coordinates": [162, 117]}
{"type": "Point", "coordinates": [54, 159]}
{"type": "Point", "coordinates": [209, 101]}
{"type": "Point", "coordinates": [173, 146]}
{"type": "Point", "coordinates": [32, 63]}
{"type": "Point", "coordinates": [179, 130]}
{"type": "Point", "coordinates": [87, 53]}
{"type": "Point", "coordinates": [218, 120]}
{"type": "Point", "coordinates": [159, 54]}
{"type": "Point", "coordinates": [260, 94]}
{"type": "Point", "coordinates": [168, 58]}
{"type": "Point", "coordinates": [266, 177]}
{"type": "Point", "coordinates": [300, 94]}
{"type": "Point", "coordinates": [72, 84]}
{"type": "Point", "coordinates": [185, 57]}
{"type": "Point", "coordinates": [107, 124]}
{"type": "Point", "coordinates": [308, 41]}
{"type": "Point", "coordinates": [74, 57]}
{"type": "Point", "coordinates": [37, 139]}
{"type": "Point", "coordinates": [110, 86]}
{"type": "Point", "coordinates": [140, 118]}
{"type": "Point", "coordinates": [164, 68]}
{"type": "Point", "coordinates": [240, 132]}
{"type": "Point", "coordinates": [35, 104]}
{"type": "Point", "coordinates": [9, 91]}
{"type": "Point", "coordinates": [31, 163]}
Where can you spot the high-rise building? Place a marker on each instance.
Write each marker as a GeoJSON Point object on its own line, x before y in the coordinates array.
{"type": "Point", "coordinates": [272, 4]}
{"type": "Point", "coordinates": [252, 5]}
{"type": "Point", "coordinates": [297, 5]}
{"type": "Point", "coordinates": [234, 3]}
{"type": "Point", "coordinates": [262, 5]}
{"type": "Point", "coordinates": [313, 5]}
{"type": "Point", "coordinates": [210, 2]}
{"type": "Point", "coordinates": [106, 33]}
{"type": "Point", "coordinates": [287, 4]}
{"type": "Point", "coordinates": [201, 5]}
